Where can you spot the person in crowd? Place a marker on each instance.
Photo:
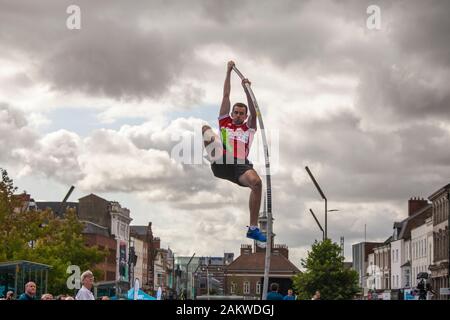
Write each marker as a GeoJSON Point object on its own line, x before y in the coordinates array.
{"type": "Point", "coordinates": [87, 280]}
{"type": "Point", "coordinates": [30, 292]}
{"type": "Point", "coordinates": [274, 294]}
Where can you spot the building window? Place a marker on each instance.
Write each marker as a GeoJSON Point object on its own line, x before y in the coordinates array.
{"type": "Point", "coordinates": [442, 245]}
{"type": "Point", "coordinates": [246, 287]}
{"type": "Point", "coordinates": [409, 251]}
{"type": "Point", "coordinates": [233, 288]}
{"type": "Point", "coordinates": [446, 209]}
{"type": "Point", "coordinates": [420, 249]}
{"type": "Point", "coordinates": [429, 255]}
{"type": "Point", "coordinates": [258, 287]}
{"type": "Point", "coordinates": [438, 246]}
{"type": "Point", "coordinates": [159, 279]}
{"type": "Point", "coordinates": [435, 244]}
{"type": "Point", "coordinates": [406, 253]}
{"type": "Point", "coordinates": [438, 212]}
{"type": "Point", "coordinates": [407, 277]}
{"type": "Point", "coordinates": [122, 230]}
{"type": "Point", "coordinates": [415, 250]}
{"type": "Point", "coordinates": [423, 247]}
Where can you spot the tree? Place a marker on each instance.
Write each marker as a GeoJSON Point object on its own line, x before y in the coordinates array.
{"type": "Point", "coordinates": [9, 237]}
{"type": "Point", "coordinates": [325, 272]}
{"type": "Point", "coordinates": [42, 237]}
{"type": "Point", "coordinates": [61, 245]}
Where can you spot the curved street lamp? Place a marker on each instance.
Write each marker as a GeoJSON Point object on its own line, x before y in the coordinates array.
{"type": "Point", "coordinates": [321, 194]}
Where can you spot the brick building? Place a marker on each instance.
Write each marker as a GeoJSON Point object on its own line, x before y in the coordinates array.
{"type": "Point", "coordinates": [95, 235]}
{"type": "Point", "coordinates": [245, 275]}
{"type": "Point", "coordinates": [440, 267]}
{"type": "Point", "coordinates": [109, 218]}
{"type": "Point", "coordinates": [145, 233]}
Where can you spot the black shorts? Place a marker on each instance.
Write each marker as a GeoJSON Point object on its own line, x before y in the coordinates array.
{"type": "Point", "coordinates": [231, 171]}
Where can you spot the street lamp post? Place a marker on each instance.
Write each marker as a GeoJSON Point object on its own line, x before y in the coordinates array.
{"type": "Point", "coordinates": [187, 273]}
{"type": "Point", "coordinates": [197, 276]}
{"type": "Point", "coordinates": [207, 279]}
{"type": "Point", "coordinates": [173, 274]}
{"type": "Point", "coordinates": [318, 223]}
{"type": "Point", "coordinates": [323, 197]}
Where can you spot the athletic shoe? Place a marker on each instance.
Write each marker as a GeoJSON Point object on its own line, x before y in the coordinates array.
{"type": "Point", "coordinates": [255, 234]}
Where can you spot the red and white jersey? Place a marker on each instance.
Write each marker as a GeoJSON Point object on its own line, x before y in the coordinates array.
{"type": "Point", "coordinates": [236, 139]}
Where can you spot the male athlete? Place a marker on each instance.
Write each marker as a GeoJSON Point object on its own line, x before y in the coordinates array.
{"type": "Point", "coordinates": [229, 161]}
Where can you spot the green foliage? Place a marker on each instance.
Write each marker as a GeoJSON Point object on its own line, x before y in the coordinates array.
{"type": "Point", "coordinates": [40, 236]}
{"type": "Point", "coordinates": [325, 271]}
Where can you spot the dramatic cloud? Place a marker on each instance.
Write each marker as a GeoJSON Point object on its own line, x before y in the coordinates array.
{"type": "Point", "coordinates": [146, 159]}
{"type": "Point", "coordinates": [366, 110]}
{"type": "Point", "coordinates": [15, 135]}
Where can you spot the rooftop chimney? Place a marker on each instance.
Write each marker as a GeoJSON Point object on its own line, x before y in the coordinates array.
{"type": "Point", "coordinates": [246, 249]}
{"type": "Point", "coordinates": [415, 204]}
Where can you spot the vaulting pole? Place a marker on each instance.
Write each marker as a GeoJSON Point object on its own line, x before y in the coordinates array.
{"type": "Point", "coordinates": [268, 188]}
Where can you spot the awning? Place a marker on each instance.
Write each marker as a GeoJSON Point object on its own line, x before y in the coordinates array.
{"type": "Point", "coordinates": [141, 295]}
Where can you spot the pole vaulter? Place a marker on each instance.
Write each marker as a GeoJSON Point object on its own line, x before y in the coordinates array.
{"type": "Point", "coordinates": [228, 155]}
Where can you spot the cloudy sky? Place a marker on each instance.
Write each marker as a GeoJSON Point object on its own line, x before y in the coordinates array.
{"type": "Point", "coordinates": [106, 108]}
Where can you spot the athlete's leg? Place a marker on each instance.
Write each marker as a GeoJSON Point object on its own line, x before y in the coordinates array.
{"type": "Point", "coordinates": [251, 179]}
{"type": "Point", "coordinates": [208, 135]}
{"type": "Point", "coordinates": [212, 143]}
